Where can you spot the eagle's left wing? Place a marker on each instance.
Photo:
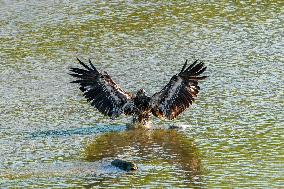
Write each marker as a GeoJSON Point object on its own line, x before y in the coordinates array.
{"type": "Point", "coordinates": [102, 91]}
{"type": "Point", "coordinates": [179, 93]}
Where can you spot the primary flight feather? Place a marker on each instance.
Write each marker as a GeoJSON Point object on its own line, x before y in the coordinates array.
{"type": "Point", "coordinates": [111, 100]}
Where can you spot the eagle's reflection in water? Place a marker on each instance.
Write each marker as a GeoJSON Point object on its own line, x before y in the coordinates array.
{"type": "Point", "coordinates": [164, 148]}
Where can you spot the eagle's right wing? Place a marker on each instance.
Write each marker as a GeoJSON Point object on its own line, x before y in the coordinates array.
{"type": "Point", "coordinates": [102, 91]}
{"type": "Point", "coordinates": [179, 93]}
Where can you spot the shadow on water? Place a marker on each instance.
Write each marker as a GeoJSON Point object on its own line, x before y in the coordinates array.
{"type": "Point", "coordinates": [79, 131]}
{"type": "Point", "coordinates": [163, 156]}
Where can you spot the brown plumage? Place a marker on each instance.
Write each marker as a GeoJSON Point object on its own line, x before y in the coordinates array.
{"type": "Point", "coordinates": [179, 93]}
{"type": "Point", "coordinates": [111, 100]}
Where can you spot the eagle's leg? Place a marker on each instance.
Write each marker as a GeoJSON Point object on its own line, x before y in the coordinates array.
{"type": "Point", "coordinates": [141, 120]}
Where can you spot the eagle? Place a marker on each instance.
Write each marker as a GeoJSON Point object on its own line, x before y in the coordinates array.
{"type": "Point", "coordinates": [111, 100]}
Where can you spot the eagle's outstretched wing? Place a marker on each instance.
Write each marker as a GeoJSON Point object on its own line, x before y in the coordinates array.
{"type": "Point", "coordinates": [179, 93]}
{"type": "Point", "coordinates": [101, 90]}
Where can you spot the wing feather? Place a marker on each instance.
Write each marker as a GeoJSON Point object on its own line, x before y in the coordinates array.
{"type": "Point", "coordinates": [179, 93]}
{"type": "Point", "coordinates": [101, 90]}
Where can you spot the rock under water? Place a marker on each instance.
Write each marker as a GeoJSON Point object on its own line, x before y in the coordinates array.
{"type": "Point", "coordinates": [124, 165]}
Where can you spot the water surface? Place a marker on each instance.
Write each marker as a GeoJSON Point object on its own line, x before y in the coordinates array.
{"type": "Point", "coordinates": [233, 133]}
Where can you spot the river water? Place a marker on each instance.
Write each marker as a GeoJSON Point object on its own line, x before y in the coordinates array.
{"type": "Point", "coordinates": [231, 137]}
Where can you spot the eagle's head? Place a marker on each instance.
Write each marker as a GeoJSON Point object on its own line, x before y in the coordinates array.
{"type": "Point", "coordinates": [140, 93]}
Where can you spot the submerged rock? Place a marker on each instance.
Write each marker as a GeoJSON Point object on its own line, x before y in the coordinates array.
{"type": "Point", "coordinates": [124, 165]}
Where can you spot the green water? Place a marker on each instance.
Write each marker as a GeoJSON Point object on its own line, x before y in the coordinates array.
{"type": "Point", "coordinates": [232, 138]}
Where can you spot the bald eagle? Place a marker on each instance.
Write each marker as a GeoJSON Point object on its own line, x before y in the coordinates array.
{"type": "Point", "coordinates": [111, 100]}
